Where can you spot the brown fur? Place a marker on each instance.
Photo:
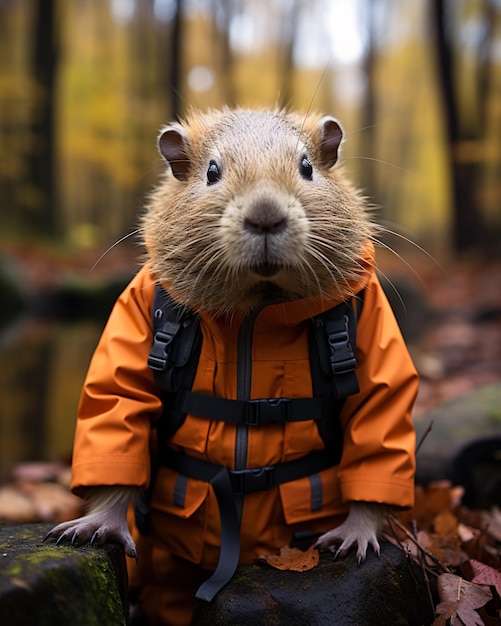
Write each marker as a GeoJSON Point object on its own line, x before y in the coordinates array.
{"type": "Point", "coordinates": [194, 231]}
{"type": "Point", "coordinates": [205, 241]}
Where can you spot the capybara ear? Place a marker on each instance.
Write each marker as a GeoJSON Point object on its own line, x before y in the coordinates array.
{"type": "Point", "coordinates": [331, 136]}
{"type": "Point", "coordinates": [172, 144]}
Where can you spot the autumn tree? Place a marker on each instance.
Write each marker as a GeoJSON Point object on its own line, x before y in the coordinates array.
{"type": "Point", "coordinates": [466, 124]}
{"type": "Point", "coordinates": [41, 150]}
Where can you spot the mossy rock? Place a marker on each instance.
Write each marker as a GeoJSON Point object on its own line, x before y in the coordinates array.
{"type": "Point", "coordinates": [464, 445]}
{"type": "Point", "coordinates": [47, 585]}
{"type": "Point", "coordinates": [388, 590]}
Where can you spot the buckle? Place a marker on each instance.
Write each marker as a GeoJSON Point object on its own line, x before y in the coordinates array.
{"type": "Point", "coordinates": [266, 411]}
{"type": "Point", "coordinates": [342, 358]}
{"type": "Point", "coordinates": [159, 357]}
{"type": "Point", "coordinates": [343, 367]}
{"type": "Point", "coordinates": [252, 479]}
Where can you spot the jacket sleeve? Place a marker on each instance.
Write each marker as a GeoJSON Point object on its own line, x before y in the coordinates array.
{"type": "Point", "coordinates": [378, 462]}
{"type": "Point", "coordinates": [119, 398]}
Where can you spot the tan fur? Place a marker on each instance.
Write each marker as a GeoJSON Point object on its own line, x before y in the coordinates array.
{"type": "Point", "coordinates": [199, 246]}
{"type": "Point", "coordinates": [194, 232]}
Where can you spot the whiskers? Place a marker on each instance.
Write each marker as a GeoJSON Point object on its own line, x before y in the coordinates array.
{"type": "Point", "coordinates": [114, 245]}
{"type": "Point", "coordinates": [383, 230]}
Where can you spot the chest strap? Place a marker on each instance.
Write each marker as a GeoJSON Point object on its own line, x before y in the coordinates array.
{"type": "Point", "coordinates": [252, 412]}
{"type": "Point", "coordinates": [230, 483]}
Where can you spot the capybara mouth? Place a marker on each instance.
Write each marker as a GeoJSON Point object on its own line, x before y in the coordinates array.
{"type": "Point", "coordinates": [266, 269]}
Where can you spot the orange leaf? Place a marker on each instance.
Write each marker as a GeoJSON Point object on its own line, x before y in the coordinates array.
{"type": "Point", "coordinates": [446, 523]}
{"type": "Point", "coordinates": [293, 559]}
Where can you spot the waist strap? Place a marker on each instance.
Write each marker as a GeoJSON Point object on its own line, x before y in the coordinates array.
{"type": "Point", "coordinates": [230, 483]}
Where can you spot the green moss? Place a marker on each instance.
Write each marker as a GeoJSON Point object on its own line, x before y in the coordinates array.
{"type": "Point", "coordinates": [55, 585]}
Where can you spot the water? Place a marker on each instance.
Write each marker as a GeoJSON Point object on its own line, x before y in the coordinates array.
{"type": "Point", "coordinates": [43, 365]}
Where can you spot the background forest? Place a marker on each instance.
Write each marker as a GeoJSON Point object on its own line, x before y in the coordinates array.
{"type": "Point", "coordinates": [85, 86]}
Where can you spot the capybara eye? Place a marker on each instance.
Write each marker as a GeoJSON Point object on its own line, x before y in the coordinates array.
{"type": "Point", "coordinates": [213, 173]}
{"type": "Point", "coordinates": [306, 169]}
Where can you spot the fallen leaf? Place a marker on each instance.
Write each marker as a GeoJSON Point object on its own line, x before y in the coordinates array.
{"type": "Point", "coordinates": [293, 559]}
{"type": "Point", "coordinates": [485, 575]}
{"type": "Point", "coordinates": [52, 502]}
{"type": "Point", "coordinates": [492, 520]}
{"type": "Point", "coordinates": [444, 547]}
{"type": "Point", "coordinates": [460, 598]}
{"type": "Point", "coordinates": [467, 533]}
{"type": "Point", "coordinates": [15, 506]}
{"type": "Point", "coordinates": [446, 523]}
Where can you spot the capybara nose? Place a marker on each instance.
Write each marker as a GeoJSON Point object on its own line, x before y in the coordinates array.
{"type": "Point", "coordinates": [265, 217]}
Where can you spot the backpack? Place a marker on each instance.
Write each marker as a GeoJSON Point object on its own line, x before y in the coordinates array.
{"type": "Point", "coordinates": [174, 356]}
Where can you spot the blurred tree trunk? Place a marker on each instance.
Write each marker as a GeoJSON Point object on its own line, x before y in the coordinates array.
{"type": "Point", "coordinates": [226, 10]}
{"type": "Point", "coordinates": [290, 24]}
{"type": "Point", "coordinates": [176, 60]}
{"type": "Point", "coordinates": [41, 155]}
{"type": "Point", "coordinates": [468, 227]}
{"type": "Point", "coordinates": [368, 177]}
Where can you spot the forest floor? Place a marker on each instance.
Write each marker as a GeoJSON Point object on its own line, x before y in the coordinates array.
{"type": "Point", "coordinates": [452, 322]}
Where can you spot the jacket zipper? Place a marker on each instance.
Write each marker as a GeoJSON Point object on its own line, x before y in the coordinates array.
{"type": "Point", "coordinates": [244, 381]}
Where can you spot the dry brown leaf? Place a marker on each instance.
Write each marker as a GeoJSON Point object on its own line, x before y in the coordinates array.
{"type": "Point", "coordinates": [492, 521]}
{"type": "Point", "coordinates": [459, 598]}
{"type": "Point", "coordinates": [446, 523]}
{"type": "Point", "coordinates": [485, 575]}
{"type": "Point", "coordinates": [52, 502]}
{"type": "Point", "coordinates": [446, 548]}
{"type": "Point", "coordinates": [293, 559]}
{"type": "Point", "coordinates": [467, 533]}
{"type": "Point", "coordinates": [15, 506]}
{"type": "Point", "coordinates": [436, 498]}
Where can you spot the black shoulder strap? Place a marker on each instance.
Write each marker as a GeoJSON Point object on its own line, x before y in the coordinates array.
{"type": "Point", "coordinates": [175, 334]}
{"type": "Point", "coordinates": [333, 340]}
{"type": "Point", "coordinates": [174, 356]}
{"type": "Point", "coordinates": [337, 356]}
{"type": "Point", "coordinates": [177, 341]}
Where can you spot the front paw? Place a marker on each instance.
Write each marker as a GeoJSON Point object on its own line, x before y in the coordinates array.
{"type": "Point", "coordinates": [88, 530]}
{"type": "Point", "coordinates": [340, 541]}
{"type": "Point", "coordinates": [361, 528]}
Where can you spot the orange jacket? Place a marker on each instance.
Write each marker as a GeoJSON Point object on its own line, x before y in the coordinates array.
{"type": "Point", "coordinates": [120, 402]}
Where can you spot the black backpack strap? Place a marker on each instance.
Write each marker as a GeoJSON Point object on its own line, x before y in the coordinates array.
{"type": "Point", "coordinates": [230, 483]}
{"type": "Point", "coordinates": [258, 412]}
{"type": "Point", "coordinates": [175, 353]}
{"type": "Point", "coordinates": [174, 356]}
{"type": "Point", "coordinates": [176, 333]}
{"type": "Point", "coordinates": [337, 358]}
{"type": "Point", "coordinates": [174, 359]}
{"type": "Point", "coordinates": [333, 338]}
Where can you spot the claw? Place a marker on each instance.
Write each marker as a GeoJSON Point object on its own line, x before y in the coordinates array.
{"type": "Point", "coordinates": [74, 538]}
{"type": "Point", "coordinates": [94, 538]}
{"type": "Point", "coordinates": [60, 540]}
{"type": "Point", "coordinates": [49, 534]}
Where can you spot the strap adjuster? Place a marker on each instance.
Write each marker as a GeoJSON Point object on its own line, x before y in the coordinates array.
{"type": "Point", "coordinates": [252, 479]}
{"type": "Point", "coordinates": [266, 411]}
{"type": "Point", "coordinates": [159, 355]}
{"type": "Point", "coordinates": [342, 357]}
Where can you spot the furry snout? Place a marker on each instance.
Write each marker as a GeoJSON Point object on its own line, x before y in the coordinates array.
{"type": "Point", "coordinates": [265, 217]}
